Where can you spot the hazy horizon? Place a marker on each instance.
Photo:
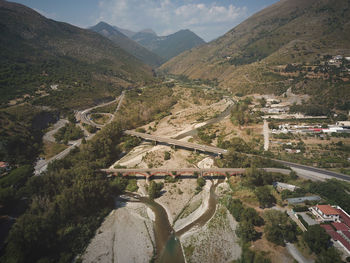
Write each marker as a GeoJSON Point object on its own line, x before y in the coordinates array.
{"type": "Point", "coordinates": [208, 19]}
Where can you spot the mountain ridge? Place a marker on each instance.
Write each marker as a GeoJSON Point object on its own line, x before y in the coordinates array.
{"type": "Point", "coordinates": [284, 33]}
{"type": "Point", "coordinates": [127, 44]}
{"type": "Point", "coordinates": [168, 46]}
{"type": "Point", "coordinates": [36, 51]}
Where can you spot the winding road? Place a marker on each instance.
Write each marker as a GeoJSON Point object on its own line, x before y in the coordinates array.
{"type": "Point", "coordinates": [41, 165]}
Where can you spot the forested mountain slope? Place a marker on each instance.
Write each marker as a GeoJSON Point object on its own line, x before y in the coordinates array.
{"type": "Point", "coordinates": [253, 56]}
{"type": "Point", "coordinates": [36, 52]}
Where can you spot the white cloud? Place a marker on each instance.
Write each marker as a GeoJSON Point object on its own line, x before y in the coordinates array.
{"type": "Point", "coordinates": [208, 20]}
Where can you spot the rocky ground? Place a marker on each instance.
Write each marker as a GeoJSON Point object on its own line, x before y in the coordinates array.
{"type": "Point", "coordinates": [126, 235]}
{"type": "Point", "coordinates": [215, 242]}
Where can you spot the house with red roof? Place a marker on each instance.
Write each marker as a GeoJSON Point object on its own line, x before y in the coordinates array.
{"type": "Point", "coordinates": [339, 229]}
{"type": "Point", "coordinates": [326, 213]}
{"type": "Point", "coordinates": [4, 167]}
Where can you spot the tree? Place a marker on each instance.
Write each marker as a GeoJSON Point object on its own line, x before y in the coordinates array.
{"type": "Point", "coordinates": [279, 227]}
{"type": "Point", "coordinates": [235, 207]}
{"type": "Point", "coordinates": [246, 231]}
{"type": "Point", "coordinates": [71, 118]}
{"type": "Point", "coordinates": [154, 189]}
{"type": "Point", "coordinates": [316, 238]}
{"type": "Point", "coordinates": [329, 255]}
{"type": "Point", "coordinates": [251, 215]}
{"type": "Point", "coordinates": [167, 156]}
{"type": "Point", "coordinates": [264, 196]}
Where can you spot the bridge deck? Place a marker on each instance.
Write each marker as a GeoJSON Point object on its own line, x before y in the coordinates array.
{"type": "Point", "coordinates": [188, 145]}
{"type": "Point", "coordinates": [187, 171]}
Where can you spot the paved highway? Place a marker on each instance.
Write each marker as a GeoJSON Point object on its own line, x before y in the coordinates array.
{"type": "Point", "coordinates": [188, 145]}
{"type": "Point", "coordinates": [307, 171]}
{"type": "Point", "coordinates": [83, 116]}
{"type": "Point", "coordinates": [41, 165]}
{"type": "Point", "coordinates": [326, 173]}
{"type": "Point", "coordinates": [188, 171]}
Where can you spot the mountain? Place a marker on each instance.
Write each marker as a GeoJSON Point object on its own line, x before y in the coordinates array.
{"type": "Point", "coordinates": [168, 46]}
{"type": "Point", "coordinates": [36, 52]}
{"type": "Point", "coordinates": [126, 32]}
{"type": "Point", "coordinates": [128, 44]}
{"type": "Point", "coordinates": [253, 56]}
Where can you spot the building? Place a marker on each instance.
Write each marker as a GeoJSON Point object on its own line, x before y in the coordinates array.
{"type": "Point", "coordinates": [299, 200]}
{"type": "Point", "coordinates": [339, 230]}
{"type": "Point", "coordinates": [326, 213]}
{"type": "Point", "coordinates": [282, 186]}
{"type": "Point", "coordinates": [4, 167]}
{"type": "Point", "coordinates": [345, 124]}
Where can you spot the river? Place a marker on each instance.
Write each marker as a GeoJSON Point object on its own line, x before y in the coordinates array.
{"type": "Point", "coordinates": [168, 244]}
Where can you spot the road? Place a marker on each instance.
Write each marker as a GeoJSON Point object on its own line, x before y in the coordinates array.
{"type": "Point", "coordinates": [83, 116]}
{"type": "Point", "coordinates": [313, 171]}
{"type": "Point", "coordinates": [58, 125]}
{"type": "Point", "coordinates": [188, 145]}
{"type": "Point", "coordinates": [302, 170]}
{"type": "Point", "coordinates": [188, 171]}
{"type": "Point", "coordinates": [296, 254]}
{"type": "Point", "coordinates": [266, 135]}
{"type": "Point", "coordinates": [41, 165]}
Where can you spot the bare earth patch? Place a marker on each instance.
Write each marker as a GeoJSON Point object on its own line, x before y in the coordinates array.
{"type": "Point", "coordinates": [126, 235]}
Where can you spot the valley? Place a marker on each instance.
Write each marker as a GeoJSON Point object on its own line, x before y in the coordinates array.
{"type": "Point", "coordinates": [120, 144]}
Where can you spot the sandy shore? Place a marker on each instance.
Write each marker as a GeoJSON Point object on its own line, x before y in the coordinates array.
{"type": "Point", "coordinates": [126, 235]}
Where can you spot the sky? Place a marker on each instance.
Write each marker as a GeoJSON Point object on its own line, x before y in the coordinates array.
{"type": "Point", "coordinates": [208, 19]}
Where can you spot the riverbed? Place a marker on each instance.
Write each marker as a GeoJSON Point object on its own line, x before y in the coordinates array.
{"type": "Point", "coordinates": [140, 229]}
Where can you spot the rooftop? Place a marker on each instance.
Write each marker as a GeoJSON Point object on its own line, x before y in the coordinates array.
{"type": "Point", "coordinates": [340, 226]}
{"type": "Point", "coordinates": [327, 227]}
{"type": "Point", "coordinates": [3, 164]}
{"type": "Point", "coordinates": [344, 218]}
{"type": "Point", "coordinates": [328, 210]}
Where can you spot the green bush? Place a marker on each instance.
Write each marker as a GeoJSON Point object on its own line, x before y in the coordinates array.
{"type": "Point", "coordinates": [316, 238]}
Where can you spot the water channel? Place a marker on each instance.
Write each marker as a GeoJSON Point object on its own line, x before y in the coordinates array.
{"type": "Point", "coordinates": [168, 245]}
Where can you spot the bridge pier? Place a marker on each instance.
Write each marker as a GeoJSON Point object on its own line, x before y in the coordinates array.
{"type": "Point", "coordinates": [148, 179]}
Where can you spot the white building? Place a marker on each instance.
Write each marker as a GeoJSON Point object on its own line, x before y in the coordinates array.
{"type": "Point", "coordinates": [325, 213]}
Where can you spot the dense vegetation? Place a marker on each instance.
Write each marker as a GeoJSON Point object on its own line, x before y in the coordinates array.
{"type": "Point", "coordinates": [21, 133]}
{"type": "Point", "coordinates": [154, 189]}
{"type": "Point", "coordinates": [37, 52]}
{"type": "Point", "coordinates": [241, 115]}
{"type": "Point", "coordinates": [69, 132]}
{"type": "Point", "coordinates": [67, 204]}
{"type": "Point", "coordinates": [334, 191]}
{"type": "Point", "coordinates": [247, 218]}
{"type": "Point", "coordinates": [279, 227]}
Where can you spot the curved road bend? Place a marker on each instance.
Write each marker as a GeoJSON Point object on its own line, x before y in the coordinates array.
{"type": "Point", "coordinates": [41, 165]}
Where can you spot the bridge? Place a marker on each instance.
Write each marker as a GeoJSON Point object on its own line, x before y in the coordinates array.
{"type": "Point", "coordinates": [309, 171]}
{"type": "Point", "coordinates": [188, 172]}
{"type": "Point", "coordinates": [173, 142]}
